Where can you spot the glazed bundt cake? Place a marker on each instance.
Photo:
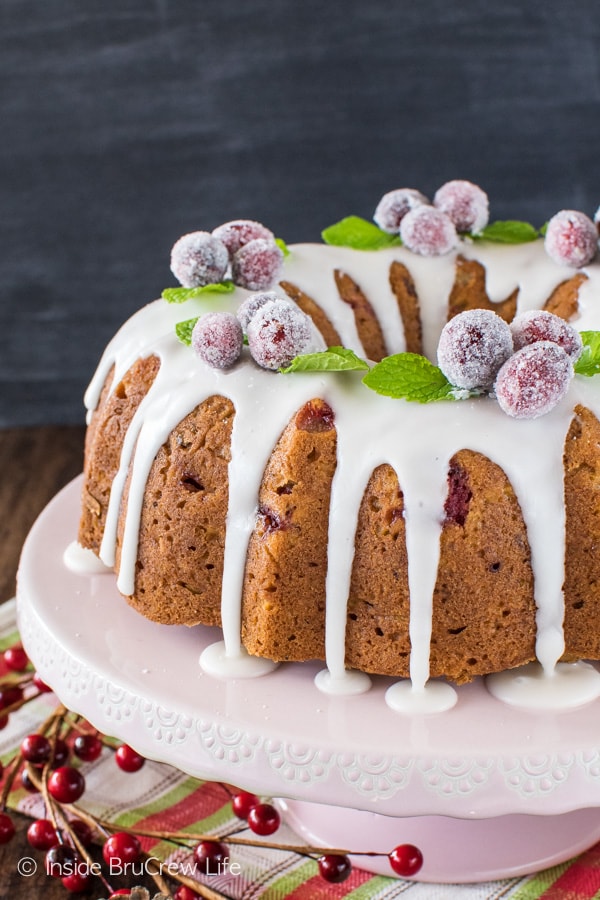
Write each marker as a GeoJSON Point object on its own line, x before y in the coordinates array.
{"type": "Point", "coordinates": [257, 458]}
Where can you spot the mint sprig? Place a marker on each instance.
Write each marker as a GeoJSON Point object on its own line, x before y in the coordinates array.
{"type": "Point", "coordinates": [410, 376]}
{"type": "Point", "coordinates": [359, 234]}
{"type": "Point", "coordinates": [335, 359]}
{"type": "Point", "coordinates": [183, 330]}
{"type": "Point", "coordinates": [510, 231]}
{"type": "Point", "coordinates": [181, 294]}
{"type": "Point", "coordinates": [283, 246]}
{"type": "Point", "coordinates": [589, 362]}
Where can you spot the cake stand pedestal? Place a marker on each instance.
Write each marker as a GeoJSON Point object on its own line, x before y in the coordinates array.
{"type": "Point", "coordinates": [485, 790]}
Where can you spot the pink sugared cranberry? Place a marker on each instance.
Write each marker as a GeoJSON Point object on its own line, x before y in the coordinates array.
{"type": "Point", "coordinates": [277, 333]}
{"type": "Point", "coordinates": [539, 325]}
{"type": "Point", "coordinates": [394, 205]}
{"type": "Point", "coordinates": [428, 231]}
{"type": "Point", "coordinates": [533, 380]}
{"type": "Point", "coordinates": [198, 259]}
{"type": "Point", "coordinates": [251, 304]}
{"type": "Point", "coordinates": [218, 338]}
{"type": "Point", "coordinates": [239, 232]}
{"type": "Point", "coordinates": [256, 265]}
{"type": "Point", "coordinates": [465, 204]}
{"type": "Point", "coordinates": [472, 347]}
{"type": "Point", "coordinates": [571, 239]}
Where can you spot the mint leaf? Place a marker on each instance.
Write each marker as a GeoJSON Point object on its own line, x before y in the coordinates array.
{"type": "Point", "coordinates": [181, 294]}
{"type": "Point", "coordinates": [282, 246]}
{"type": "Point", "coordinates": [183, 330]}
{"type": "Point", "coordinates": [335, 359]}
{"type": "Point", "coordinates": [589, 361]}
{"type": "Point", "coordinates": [510, 231]}
{"type": "Point", "coordinates": [359, 234]}
{"type": "Point", "coordinates": [412, 377]}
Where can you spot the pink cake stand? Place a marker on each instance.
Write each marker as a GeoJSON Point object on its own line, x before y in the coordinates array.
{"type": "Point", "coordinates": [486, 791]}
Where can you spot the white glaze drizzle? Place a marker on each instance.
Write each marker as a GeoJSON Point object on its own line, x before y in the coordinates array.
{"type": "Point", "coordinates": [371, 430]}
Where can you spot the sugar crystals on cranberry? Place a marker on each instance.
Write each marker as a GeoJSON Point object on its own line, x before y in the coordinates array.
{"type": "Point", "coordinates": [534, 380]}
{"type": "Point", "coordinates": [257, 264]}
{"type": "Point", "coordinates": [394, 205]}
{"type": "Point", "coordinates": [252, 304]}
{"type": "Point", "coordinates": [540, 325]}
{"type": "Point", "coordinates": [465, 204]}
{"type": "Point", "coordinates": [571, 239]}
{"type": "Point", "coordinates": [238, 232]}
{"type": "Point", "coordinates": [217, 338]}
{"type": "Point", "coordinates": [278, 332]}
{"type": "Point", "coordinates": [198, 259]}
{"type": "Point", "coordinates": [428, 231]}
{"type": "Point", "coordinates": [472, 347]}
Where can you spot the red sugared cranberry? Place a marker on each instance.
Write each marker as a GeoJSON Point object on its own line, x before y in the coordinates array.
{"type": "Point", "coordinates": [66, 784]}
{"type": "Point", "coordinates": [87, 747]}
{"type": "Point", "coordinates": [263, 819]}
{"type": "Point", "coordinates": [472, 347]}
{"type": "Point", "coordinates": [183, 892]}
{"type": "Point", "coordinates": [121, 847]}
{"type": "Point", "coordinates": [198, 259]}
{"type": "Point", "coordinates": [394, 205]}
{"type": "Point", "coordinates": [239, 232]}
{"type": "Point", "coordinates": [128, 759]}
{"type": "Point", "coordinates": [36, 748]}
{"type": "Point", "coordinates": [252, 304]}
{"type": "Point", "coordinates": [571, 239]}
{"type": "Point", "coordinates": [406, 860]}
{"type": "Point", "coordinates": [7, 828]}
{"type": "Point", "coordinates": [539, 325]}
{"type": "Point", "coordinates": [278, 332]}
{"type": "Point", "coordinates": [42, 687]}
{"type": "Point", "coordinates": [533, 380]}
{"type": "Point", "coordinates": [218, 339]}
{"type": "Point", "coordinates": [77, 881]}
{"type": "Point", "coordinates": [211, 857]}
{"type": "Point", "coordinates": [242, 803]}
{"type": "Point", "coordinates": [16, 659]}
{"type": "Point", "coordinates": [334, 867]}
{"type": "Point", "coordinates": [42, 835]}
{"type": "Point", "coordinates": [464, 203]}
{"type": "Point", "coordinates": [256, 265]}
{"type": "Point", "coordinates": [428, 231]}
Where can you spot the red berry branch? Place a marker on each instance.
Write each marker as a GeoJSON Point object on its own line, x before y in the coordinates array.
{"type": "Point", "coordinates": [48, 761]}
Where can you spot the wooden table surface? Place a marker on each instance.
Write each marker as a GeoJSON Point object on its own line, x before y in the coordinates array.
{"type": "Point", "coordinates": [34, 464]}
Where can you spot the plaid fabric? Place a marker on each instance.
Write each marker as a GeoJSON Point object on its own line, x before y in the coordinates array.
{"type": "Point", "coordinates": [161, 798]}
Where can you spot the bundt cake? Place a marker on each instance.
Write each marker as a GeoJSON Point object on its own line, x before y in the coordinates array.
{"type": "Point", "coordinates": [314, 518]}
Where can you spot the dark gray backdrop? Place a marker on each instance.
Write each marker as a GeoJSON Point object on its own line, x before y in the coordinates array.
{"type": "Point", "coordinates": [126, 123]}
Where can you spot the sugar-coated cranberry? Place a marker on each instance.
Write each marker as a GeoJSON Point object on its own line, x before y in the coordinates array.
{"type": "Point", "coordinates": [217, 338]}
{"type": "Point", "coordinates": [77, 881]}
{"type": "Point", "coordinates": [42, 687]}
{"type": "Point", "coordinates": [36, 748]}
{"type": "Point", "coordinates": [10, 694]}
{"type": "Point", "coordinates": [61, 860]}
{"type": "Point", "coordinates": [183, 892]}
{"type": "Point", "coordinates": [211, 857]}
{"type": "Point", "coordinates": [237, 233]}
{"type": "Point", "coordinates": [571, 239]}
{"type": "Point", "coordinates": [406, 860]}
{"type": "Point", "coordinates": [16, 659]}
{"type": "Point", "coordinates": [7, 828]}
{"type": "Point", "coordinates": [252, 304]}
{"type": "Point", "coordinates": [465, 204]}
{"type": "Point", "coordinates": [334, 867]}
{"type": "Point", "coordinates": [472, 347]}
{"type": "Point", "coordinates": [66, 784]}
{"type": "Point", "coordinates": [121, 847]}
{"type": "Point", "coordinates": [256, 265]}
{"type": "Point", "coordinates": [87, 747]}
{"type": "Point", "coordinates": [428, 231]}
{"type": "Point", "coordinates": [533, 380]}
{"type": "Point", "coordinates": [277, 333]}
{"type": "Point", "coordinates": [263, 819]}
{"type": "Point", "coordinates": [42, 835]}
{"type": "Point", "coordinates": [539, 325]}
{"type": "Point", "coordinates": [394, 205]}
{"type": "Point", "coordinates": [242, 802]}
{"type": "Point", "coordinates": [128, 759]}
{"type": "Point", "coordinates": [198, 259]}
